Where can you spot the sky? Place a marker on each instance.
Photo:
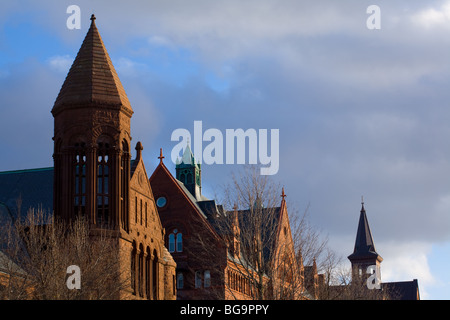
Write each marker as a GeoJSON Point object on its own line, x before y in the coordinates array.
{"type": "Point", "coordinates": [360, 111]}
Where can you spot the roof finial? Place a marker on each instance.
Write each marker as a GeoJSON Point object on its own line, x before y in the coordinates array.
{"type": "Point", "coordinates": [362, 200]}
{"type": "Point", "coordinates": [161, 157]}
{"type": "Point", "coordinates": [283, 195]}
{"type": "Point", "coordinates": [93, 17]}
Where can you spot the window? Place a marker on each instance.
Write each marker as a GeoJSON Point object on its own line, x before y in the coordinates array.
{"type": "Point", "coordinates": [141, 212]}
{"type": "Point", "coordinates": [133, 269]}
{"type": "Point", "coordinates": [179, 242]}
{"type": "Point", "coordinates": [180, 280]}
{"type": "Point", "coordinates": [103, 183]}
{"type": "Point", "coordinates": [124, 172]}
{"type": "Point", "coordinates": [147, 273]}
{"type": "Point", "coordinates": [155, 275]}
{"type": "Point", "coordinates": [207, 278]}
{"type": "Point", "coordinates": [161, 202]}
{"type": "Point", "coordinates": [198, 279]}
{"type": "Point", "coordinates": [135, 209]}
{"type": "Point", "coordinates": [175, 238]}
{"type": "Point", "coordinates": [171, 242]}
{"type": "Point", "coordinates": [80, 178]}
{"type": "Point", "coordinates": [146, 214]}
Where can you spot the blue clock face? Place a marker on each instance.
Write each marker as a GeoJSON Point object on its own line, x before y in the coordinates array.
{"type": "Point", "coordinates": [161, 202]}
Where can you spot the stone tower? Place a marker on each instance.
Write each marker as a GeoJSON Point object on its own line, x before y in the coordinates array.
{"type": "Point", "coordinates": [92, 140]}
{"type": "Point", "coordinates": [364, 254]}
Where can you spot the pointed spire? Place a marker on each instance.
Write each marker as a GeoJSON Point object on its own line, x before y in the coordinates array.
{"type": "Point", "coordinates": [364, 244]}
{"type": "Point", "coordinates": [188, 156]}
{"type": "Point", "coordinates": [92, 79]}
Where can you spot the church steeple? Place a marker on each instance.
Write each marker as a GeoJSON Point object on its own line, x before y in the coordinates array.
{"type": "Point", "coordinates": [364, 253]}
{"type": "Point", "coordinates": [189, 172]}
{"type": "Point", "coordinates": [91, 139]}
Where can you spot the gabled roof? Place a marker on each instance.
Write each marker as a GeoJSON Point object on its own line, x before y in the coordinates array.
{"type": "Point", "coordinates": [196, 204]}
{"type": "Point", "coordinates": [364, 245]}
{"type": "Point", "coordinates": [92, 79]}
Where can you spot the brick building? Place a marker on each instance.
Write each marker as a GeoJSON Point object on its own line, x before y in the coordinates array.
{"type": "Point", "coordinates": [210, 263]}
{"type": "Point", "coordinates": [94, 175]}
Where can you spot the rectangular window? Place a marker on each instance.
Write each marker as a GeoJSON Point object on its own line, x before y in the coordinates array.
{"type": "Point", "coordinates": [207, 278]}
{"type": "Point", "coordinates": [198, 279]}
{"type": "Point", "coordinates": [180, 280]}
{"type": "Point", "coordinates": [141, 212]}
{"type": "Point", "coordinates": [135, 209]}
{"type": "Point", "coordinates": [146, 214]}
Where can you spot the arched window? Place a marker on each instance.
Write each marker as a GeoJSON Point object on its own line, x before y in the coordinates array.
{"type": "Point", "coordinates": [103, 185]}
{"type": "Point", "coordinates": [180, 280]}
{"type": "Point", "coordinates": [179, 242]}
{"type": "Point", "coordinates": [175, 241]}
{"type": "Point", "coordinates": [171, 242]}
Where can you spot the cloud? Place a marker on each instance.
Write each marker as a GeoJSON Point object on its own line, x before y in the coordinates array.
{"type": "Point", "coordinates": [60, 64]}
{"type": "Point", "coordinates": [405, 262]}
{"type": "Point", "coordinates": [431, 17]}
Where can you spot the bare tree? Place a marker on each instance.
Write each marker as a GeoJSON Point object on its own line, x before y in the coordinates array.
{"type": "Point", "coordinates": [37, 251]}
{"type": "Point", "coordinates": [265, 250]}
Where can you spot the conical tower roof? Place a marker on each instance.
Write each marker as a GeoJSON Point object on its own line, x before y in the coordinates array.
{"type": "Point", "coordinates": [92, 79]}
{"type": "Point", "coordinates": [364, 245]}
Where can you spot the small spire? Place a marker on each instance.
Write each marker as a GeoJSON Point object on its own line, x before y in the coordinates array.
{"type": "Point", "coordinates": [362, 203]}
{"type": "Point", "coordinates": [283, 195]}
{"type": "Point", "coordinates": [161, 157]}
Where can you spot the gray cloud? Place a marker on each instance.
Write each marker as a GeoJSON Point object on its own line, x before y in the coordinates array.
{"type": "Point", "coordinates": [360, 112]}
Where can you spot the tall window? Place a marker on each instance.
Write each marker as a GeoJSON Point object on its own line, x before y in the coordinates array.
{"type": "Point", "coordinates": [141, 271]}
{"type": "Point", "coordinates": [133, 268]}
{"type": "Point", "coordinates": [180, 280]}
{"type": "Point", "coordinates": [198, 279]}
{"type": "Point", "coordinates": [146, 214]}
{"type": "Point", "coordinates": [175, 241]}
{"type": "Point", "coordinates": [103, 183]}
{"type": "Point", "coordinates": [80, 179]}
{"type": "Point", "coordinates": [124, 170]}
{"type": "Point", "coordinates": [147, 273]}
{"type": "Point", "coordinates": [155, 275]}
{"type": "Point", "coordinates": [207, 278]}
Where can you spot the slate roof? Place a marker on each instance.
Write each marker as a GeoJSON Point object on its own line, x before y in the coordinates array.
{"type": "Point", "coordinates": [402, 290]}
{"type": "Point", "coordinates": [33, 186]}
{"type": "Point", "coordinates": [92, 78]}
{"type": "Point", "coordinates": [364, 245]}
